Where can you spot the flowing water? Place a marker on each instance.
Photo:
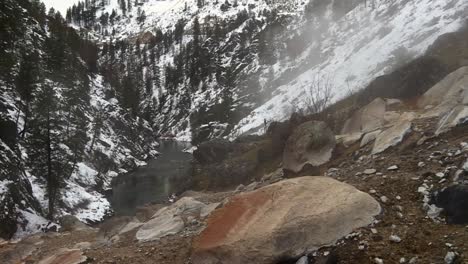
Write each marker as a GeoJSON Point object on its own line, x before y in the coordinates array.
{"type": "Point", "coordinates": [156, 182]}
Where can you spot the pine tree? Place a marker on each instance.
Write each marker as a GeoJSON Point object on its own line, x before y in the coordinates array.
{"type": "Point", "coordinates": [195, 57]}
{"type": "Point", "coordinates": [26, 83]}
{"type": "Point", "coordinates": [43, 141]}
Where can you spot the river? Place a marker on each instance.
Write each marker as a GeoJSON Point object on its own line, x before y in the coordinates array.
{"type": "Point", "coordinates": [156, 182]}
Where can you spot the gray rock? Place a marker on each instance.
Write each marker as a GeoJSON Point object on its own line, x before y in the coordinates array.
{"type": "Point", "coordinates": [171, 220]}
{"type": "Point", "coordinates": [311, 143]}
{"type": "Point", "coordinates": [393, 168]}
{"type": "Point", "coordinates": [370, 137]}
{"type": "Point", "coordinates": [392, 136]}
{"type": "Point", "coordinates": [370, 171]}
{"type": "Point", "coordinates": [450, 257]}
{"type": "Point", "coordinates": [303, 260]}
{"type": "Point", "coordinates": [395, 238]}
{"type": "Point", "coordinates": [368, 118]}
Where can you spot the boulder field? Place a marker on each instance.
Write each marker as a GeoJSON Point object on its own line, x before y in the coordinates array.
{"type": "Point", "coordinates": [284, 220]}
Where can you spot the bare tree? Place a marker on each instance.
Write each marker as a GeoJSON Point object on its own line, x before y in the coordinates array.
{"type": "Point", "coordinates": [319, 95]}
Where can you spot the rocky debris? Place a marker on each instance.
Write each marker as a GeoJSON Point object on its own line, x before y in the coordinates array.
{"type": "Point", "coordinates": [65, 255]}
{"type": "Point", "coordinates": [369, 171]}
{"type": "Point", "coordinates": [367, 119]}
{"type": "Point", "coordinates": [286, 219]}
{"type": "Point", "coordinates": [83, 245]}
{"type": "Point", "coordinates": [71, 223]}
{"type": "Point", "coordinates": [21, 250]}
{"type": "Point", "coordinates": [454, 201]}
{"type": "Point", "coordinates": [395, 239]}
{"type": "Point", "coordinates": [393, 104]}
{"type": "Point", "coordinates": [370, 137]}
{"type": "Point", "coordinates": [393, 168]}
{"type": "Point", "coordinates": [392, 136]}
{"type": "Point", "coordinates": [458, 116]}
{"type": "Point", "coordinates": [348, 140]}
{"type": "Point", "coordinates": [112, 228]}
{"type": "Point", "coordinates": [173, 219]}
{"type": "Point", "coordinates": [311, 143]}
{"type": "Point", "coordinates": [274, 176]}
{"type": "Point", "coordinates": [378, 261]}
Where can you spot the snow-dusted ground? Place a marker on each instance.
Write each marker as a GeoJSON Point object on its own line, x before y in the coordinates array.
{"type": "Point", "coordinates": [359, 47]}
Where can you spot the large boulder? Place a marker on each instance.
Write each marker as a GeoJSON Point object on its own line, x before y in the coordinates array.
{"type": "Point", "coordinates": [392, 136]}
{"type": "Point", "coordinates": [284, 220]}
{"type": "Point", "coordinates": [311, 143]}
{"type": "Point", "coordinates": [173, 219]}
{"type": "Point", "coordinates": [446, 94]}
{"type": "Point", "coordinates": [448, 100]}
{"type": "Point", "coordinates": [454, 201]}
{"type": "Point", "coordinates": [368, 118]}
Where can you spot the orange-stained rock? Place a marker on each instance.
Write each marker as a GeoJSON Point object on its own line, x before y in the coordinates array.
{"type": "Point", "coordinates": [285, 219]}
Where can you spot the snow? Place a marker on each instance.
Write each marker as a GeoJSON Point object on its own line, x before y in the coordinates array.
{"type": "Point", "coordinates": [84, 175]}
{"type": "Point", "coordinates": [88, 206]}
{"type": "Point", "coordinates": [60, 5]}
{"type": "Point", "coordinates": [34, 224]}
{"type": "Point", "coordinates": [361, 46]}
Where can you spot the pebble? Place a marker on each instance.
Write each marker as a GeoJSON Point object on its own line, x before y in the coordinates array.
{"type": "Point", "coordinates": [421, 164]}
{"type": "Point", "coordinates": [393, 168]}
{"type": "Point", "coordinates": [413, 260]}
{"type": "Point", "coordinates": [370, 171]}
{"type": "Point", "coordinates": [372, 191]}
{"type": "Point", "coordinates": [440, 174]}
{"type": "Point", "coordinates": [402, 260]}
{"type": "Point", "coordinates": [378, 261]}
{"type": "Point", "coordinates": [395, 238]}
{"type": "Point", "coordinates": [384, 199]}
{"type": "Point", "coordinates": [398, 197]}
{"type": "Point", "coordinates": [373, 230]}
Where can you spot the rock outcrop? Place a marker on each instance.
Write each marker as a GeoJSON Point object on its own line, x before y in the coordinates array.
{"type": "Point", "coordinates": [311, 143]}
{"type": "Point", "coordinates": [284, 220]}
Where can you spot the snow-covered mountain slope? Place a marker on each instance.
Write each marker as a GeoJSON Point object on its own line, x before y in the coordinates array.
{"type": "Point", "coordinates": [63, 133]}
{"type": "Point", "coordinates": [350, 52]}
{"type": "Point", "coordinates": [272, 51]}
{"type": "Point", "coordinates": [164, 14]}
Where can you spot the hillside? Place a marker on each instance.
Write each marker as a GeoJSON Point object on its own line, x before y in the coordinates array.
{"type": "Point", "coordinates": [265, 58]}
{"type": "Point", "coordinates": [63, 135]}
